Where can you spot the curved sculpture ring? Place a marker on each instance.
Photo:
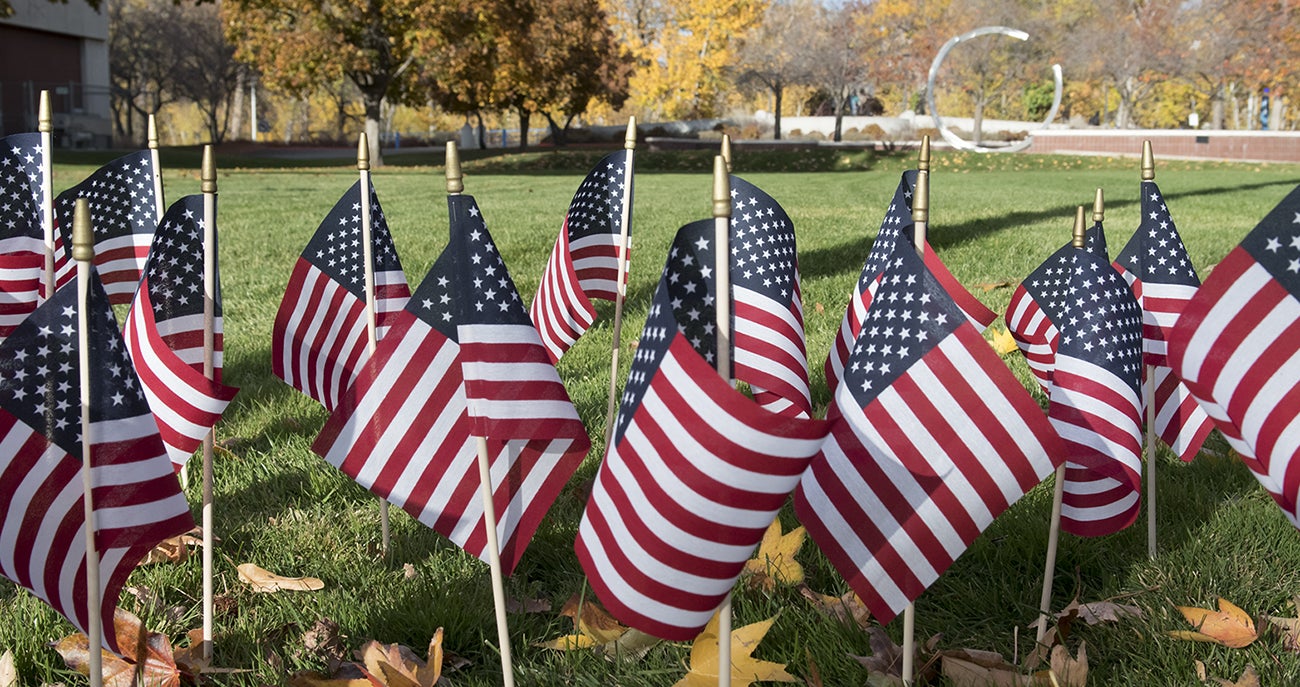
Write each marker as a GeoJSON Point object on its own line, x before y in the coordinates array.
{"type": "Point", "coordinates": [952, 138]}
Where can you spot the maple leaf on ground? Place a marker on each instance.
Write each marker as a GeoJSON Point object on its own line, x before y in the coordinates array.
{"type": "Point", "coordinates": [745, 669]}
{"type": "Point", "coordinates": [8, 671]}
{"type": "Point", "coordinates": [1249, 678]}
{"type": "Point", "coordinates": [592, 625]}
{"type": "Point", "coordinates": [398, 666]}
{"type": "Point", "coordinates": [265, 581]}
{"type": "Point", "coordinates": [774, 564]}
{"type": "Point", "coordinates": [848, 608]}
{"type": "Point", "coordinates": [1002, 341]}
{"type": "Point", "coordinates": [1067, 670]}
{"type": "Point", "coordinates": [1229, 626]}
{"type": "Point", "coordinates": [885, 664]}
{"type": "Point", "coordinates": [148, 652]}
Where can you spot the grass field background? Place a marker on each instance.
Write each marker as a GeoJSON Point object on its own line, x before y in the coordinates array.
{"type": "Point", "coordinates": [993, 219]}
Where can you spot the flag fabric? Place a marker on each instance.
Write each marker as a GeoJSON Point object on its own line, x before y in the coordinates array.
{"type": "Point", "coordinates": [768, 331]}
{"type": "Point", "coordinates": [1235, 346]}
{"type": "Point", "coordinates": [695, 472]}
{"type": "Point", "coordinates": [319, 339]}
{"type": "Point", "coordinates": [164, 334]}
{"type": "Point", "coordinates": [461, 360]}
{"type": "Point", "coordinates": [584, 261]}
{"type": "Point", "coordinates": [897, 224]}
{"type": "Point", "coordinates": [1095, 398]}
{"type": "Point", "coordinates": [22, 238]}
{"type": "Point", "coordinates": [1156, 266]}
{"type": "Point", "coordinates": [137, 499]}
{"type": "Point", "coordinates": [1039, 302]}
{"type": "Point", "coordinates": [935, 438]}
{"type": "Point", "coordinates": [123, 213]}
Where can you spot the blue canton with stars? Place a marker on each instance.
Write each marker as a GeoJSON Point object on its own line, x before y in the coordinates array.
{"type": "Point", "coordinates": [468, 283]}
{"type": "Point", "coordinates": [1275, 243]}
{"type": "Point", "coordinates": [597, 205]}
{"type": "Point", "coordinates": [20, 186]}
{"type": "Point", "coordinates": [897, 219]}
{"type": "Point", "coordinates": [660, 330]}
{"type": "Point", "coordinates": [762, 243]}
{"type": "Point", "coordinates": [689, 283]}
{"type": "Point", "coordinates": [910, 314]}
{"type": "Point", "coordinates": [336, 247]}
{"type": "Point", "coordinates": [175, 265]}
{"type": "Point", "coordinates": [1049, 283]}
{"type": "Point", "coordinates": [39, 369]}
{"type": "Point", "coordinates": [1156, 253]}
{"type": "Point", "coordinates": [1100, 320]}
{"type": "Point", "coordinates": [121, 196]}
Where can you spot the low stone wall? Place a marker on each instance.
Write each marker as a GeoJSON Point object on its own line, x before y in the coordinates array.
{"type": "Point", "coordinates": [1250, 146]}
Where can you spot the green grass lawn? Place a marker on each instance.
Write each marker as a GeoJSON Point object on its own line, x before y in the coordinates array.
{"type": "Point", "coordinates": [994, 218]}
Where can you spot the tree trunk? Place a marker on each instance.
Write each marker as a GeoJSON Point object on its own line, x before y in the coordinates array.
{"type": "Point", "coordinates": [1216, 108]}
{"type": "Point", "coordinates": [557, 132]}
{"type": "Point", "coordinates": [480, 130]}
{"type": "Point", "coordinates": [977, 122]}
{"type": "Point", "coordinates": [373, 103]}
{"type": "Point", "coordinates": [524, 116]}
{"type": "Point", "coordinates": [778, 94]}
{"type": "Point", "coordinates": [237, 103]}
{"type": "Point", "coordinates": [839, 120]}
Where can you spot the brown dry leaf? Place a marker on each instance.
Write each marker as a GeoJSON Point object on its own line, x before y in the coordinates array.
{"type": "Point", "coordinates": [75, 650]}
{"type": "Point", "coordinates": [409, 571]}
{"type": "Point", "coordinates": [150, 652]}
{"type": "Point", "coordinates": [819, 308]}
{"type": "Point", "coordinates": [398, 666]}
{"type": "Point", "coordinates": [537, 605]}
{"type": "Point", "coordinates": [885, 664]}
{"type": "Point", "coordinates": [348, 675]}
{"type": "Point", "coordinates": [814, 673]}
{"type": "Point", "coordinates": [1229, 626]}
{"type": "Point", "coordinates": [1070, 671]}
{"type": "Point", "coordinates": [1107, 612]}
{"type": "Point", "coordinates": [262, 580]}
{"type": "Point", "coordinates": [745, 669]}
{"type": "Point", "coordinates": [1249, 678]}
{"type": "Point", "coordinates": [594, 628]}
{"type": "Point", "coordinates": [774, 564]}
{"type": "Point", "coordinates": [989, 286]}
{"type": "Point", "coordinates": [190, 659]}
{"type": "Point", "coordinates": [1289, 629]}
{"type": "Point", "coordinates": [967, 668]}
{"type": "Point", "coordinates": [8, 671]}
{"type": "Point", "coordinates": [848, 608]}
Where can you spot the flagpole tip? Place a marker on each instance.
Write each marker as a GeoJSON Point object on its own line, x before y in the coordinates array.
{"type": "Point", "coordinates": [921, 198]}
{"type": "Point", "coordinates": [153, 132]}
{"type": "Point", "coordinates": [726, 151]}
{"type": "Point", "coordinates": [721, 188]}
{"type": "Point", "coordinates": [209, 173]}
{"type": "Point", "coordinates": [83, 237]}
{"type": "Point", "coordinates": [629, 141]}
{"type": "Point", "coordinates": [455, 180]}
{"type": "Point", "coordinates": [363, 152]}
{"type": "Point", "coordinates": [1148, 162]}
{"type": "Point", "coordinates": [1078, 239]}
{"type": "Point", "coordinates": [45, 115]}
{"type": "Point", "coordinates": [1098, 207]}
{"type": "Point", "coordinates": [923, 160]}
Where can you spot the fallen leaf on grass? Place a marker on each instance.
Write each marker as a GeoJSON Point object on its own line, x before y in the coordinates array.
{"type": "Point", "coordinates": [1229, 626]}
{"type": "Point", "coordinates": [847, 608]}
{"type": "Point", "coordinates": [539, 605]}
{"type": "Point", "coordinates": [174, 549]}
{"type": "Point", "coordinates": [1070, 671]}
{"type": "Point", "coordinates": [1106, 612]}
{"type": "Point", "coordinates": [398, 666]}
{"type": "Point", "coordinates": [989, 286]}
{"type": "Point", "coordinates": [8, 671]}
{"type": "Point", "coordinates": [262, 580]}
{"type": "Point", "coordinates": [592, 626]}
{"type": "Point", "coordinates": [347, 675]}
{"type": "Point", "coordinates": [969, 668]}
{"type": "Point", "coordinates": [745, 669]}
{"type": "Point", "coordinates": [148, 652]}
{"type": "Point", "coordinates": [885, 664]}
{"type": "Point", "coordinates": [1002, 341]}
{"type": "Point", "coordinates": [1289, 629]}
{"type": "Point", "coordinates": [1249, 678]}
{"type": "Point", "coordinates": [774, 564]}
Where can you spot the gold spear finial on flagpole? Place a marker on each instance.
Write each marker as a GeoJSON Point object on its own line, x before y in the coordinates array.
{"type": "Point", "coordinates": [1098, 207]}
{"type": "Point", "coordinates": [153, 132]}
{"type": "Point", "coordinates": [455, 181]}
{"type": "Point", "coordinates": [721, 188]}
{"type": "Point", "coordinates": [1078, 239]}
{"type": "Point", "coordinates": [83, 237]}
{"type": "Point", "coordinates": [923, 160]}
{"type": "Point", "coordinates": [363, 152]}
{"type": "Point", "coordinates": [629, 141]}
{"type": "Point", "coordinates": [45, 115]}
{"type": "Point", "coordinates": [209, 173]}
{"type": "Point", "coordinates": [1148, 162]}
{"type": "Point", "coordinates": [726, 151]}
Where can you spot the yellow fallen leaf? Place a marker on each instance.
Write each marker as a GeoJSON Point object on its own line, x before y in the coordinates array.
{"type": "Point", "coordinates": [1070, 671]}
{"type": "Point", "coordinates": [398, 666]}
{"type": "Point", "coordinates": [1002, 341]}
{"type": "Point", "coordinates": [745, 669]}
{"type": "Point", "coordinates": [262, 580]}
{"type": "Point", "coordinates": [774, 561]}
{"type": "Point", "coordinates": [1249, 678]}
{"type": "Point", "coordinates": [592, 624]}
{"type": "Point", "coordinates": [1229, 626]}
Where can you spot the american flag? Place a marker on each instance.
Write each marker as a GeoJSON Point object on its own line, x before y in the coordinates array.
{"type": "Point", "coordinates": [584, 262]}
{"type": "Point", "coordinates": [319, 339]}
{"type": "Point", "coordinates": [461, 360]}
{"type": "Point", "coordinates": [164, 334]}
{"type": "Point", "coordinates": [1038, 303]}
{"type": "Point", "coordinates": [896, 225]}
{"type": "Point", "coordinates": [935, 438]}
{"type": "Point", "coordinates": [22, 239]}
{"type": "Point", "coordinates": [1235, 346]}
{"type": "Point", "coordinates": [1156, 266]}
{"type": "Point", "coordinates": [123, 212]}
{"type": "Point", "coordinates": [137, 500]}
{"type": "Point", "coordinates": [770, 353]}
{"type": "Point", "coordinates": [696, 471]}
{"type": "Point", "coordinates": [1095, 398]}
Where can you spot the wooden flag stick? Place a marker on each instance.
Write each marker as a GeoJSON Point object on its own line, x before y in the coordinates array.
{"type": "Point", "coordinates": [209, 188]}
{"type": "Point", "coordinates": [920, 224]}
{"type": "Point", "coordinates": [46, 127]}
{"type": "Point", "coordinates": [620, 291]}
{"type": "Point", "coordinates": [1058, 495]}
{"type": "Point", "coordinates": [159, 206]}
{"type": "Point", "coordinates": [455, 185]}
{"type": "Point", "coordinates": [372, 323]}
{"type": "Point", "coordinates": [83, 251]}
{"type": "Point", "coordinates": [722, 268]}
{"type": "Point", "coordinates": [1149, 390]}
